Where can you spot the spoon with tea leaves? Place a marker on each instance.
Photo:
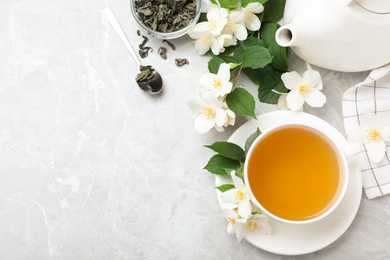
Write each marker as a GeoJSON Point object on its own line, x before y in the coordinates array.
{"type": "Point", "coordinates": [148, 79]}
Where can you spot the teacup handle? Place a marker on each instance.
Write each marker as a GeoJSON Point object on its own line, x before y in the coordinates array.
{"type": "Point", "coordinates": [352, 149]}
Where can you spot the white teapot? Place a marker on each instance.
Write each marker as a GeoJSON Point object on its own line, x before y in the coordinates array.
{"type": "Point", "coordinates": [341, 35]}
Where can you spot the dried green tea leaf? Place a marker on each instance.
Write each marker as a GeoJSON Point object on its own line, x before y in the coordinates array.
{"type": "Point", "coordinates": [146, 73]}
{"type": "Point", "coordinates": [181, 62]}
{"type": "Point", "coordinates": [170, 44]}
{"type": "Point", "coordinates": [163, 52]}
{"type": "Point", "coordinates": [166, 15]}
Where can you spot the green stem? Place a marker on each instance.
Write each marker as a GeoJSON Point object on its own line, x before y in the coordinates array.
{"type": "Point", "coordinates": [240, 173]}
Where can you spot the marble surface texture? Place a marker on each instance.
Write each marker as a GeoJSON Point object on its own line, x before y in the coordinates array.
{"type": "Point", "coordinates": [91, 167]}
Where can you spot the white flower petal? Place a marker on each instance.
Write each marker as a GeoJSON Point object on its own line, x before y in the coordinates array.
{"type": "Point", "coordinates": [282, 102]}
{"type": "Point", "coordinates": [244, 208]}
{"type": "Point", "coordinates": [207, 80]}
{"type": "Point", "coordinates": [292, 80]}
{"type": "Point", "coordinates": [295, 100]}
{"type": "Point", "coordinates": [228, 213]}
{"type": "Point", "coordinates": [252, 22]}
{"type": "Point", "coordinates": [220, 117]}
{"type": "Point", "coordinates": [231, 117]}
{"type": "Point", "coordinates": [238, 183]}
{"type": "Point", "coordinates": [240, 32]}
{"type": "Point", "coordinates": [228, 206]}
{"type": "Point", "coordinates": [215, 46]}
{"type": "Point", "coordinates": [217, 26]}
{"type": "Point", "coordinates": [197, 104]}
{"type": "Point", "coordinates": [224, 72]}
{"type": "Point", "coordinates": [214, 12]}
{"type": "Point", "coordinates": [255, 7]}
{"type": "Point", "coordinates": [236, 17]}
{"type": "Point", "coordinates": [218, 128]}
{"type": "Point", "coordinates": [376, 150]}
{"type": "Point", "coordinates": [385, 132]}
{"type": "Point", "coordinates": [316, 98]}
{"type": "Point", "coordinates": [204, 92]}
{"type": "Point", "coordinates": [231, 228]}
{"type": "Point", "coordinates": [224, 40]}
{"type": "Point", "coordinates": [240, 232]}
{"type": "Point", "coordinates": [312, 78]}
{"type": "Point", "coordinates": [202, 45]}
{"type": "Point", "coordinates": [213, 100]}
{"type": "Point", "coordinates": [229, 197]}
{"type": "Point", "coordinates": [199, 30]}
{"type": "Point", "coordinates": [265, 227]}
{"type": "Point", "coordinates": [202, 124]}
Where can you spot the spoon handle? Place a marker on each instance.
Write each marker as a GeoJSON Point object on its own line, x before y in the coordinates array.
{"type": "Point", "coordinates": [118, 29]}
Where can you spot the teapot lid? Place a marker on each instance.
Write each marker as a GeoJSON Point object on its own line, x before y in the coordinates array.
{"type": "Point", "coordinates": [375, 6]}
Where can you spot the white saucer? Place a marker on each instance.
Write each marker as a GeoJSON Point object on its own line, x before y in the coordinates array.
{"type": "Point", "coordinates": [290, 239]}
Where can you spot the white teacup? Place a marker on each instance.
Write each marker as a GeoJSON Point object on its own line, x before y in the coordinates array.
{"type": "Point", "coordinates": [296, 172]}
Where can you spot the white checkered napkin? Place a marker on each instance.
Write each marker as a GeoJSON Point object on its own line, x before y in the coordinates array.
{"type": "Point", "coordinates": [372, 95]}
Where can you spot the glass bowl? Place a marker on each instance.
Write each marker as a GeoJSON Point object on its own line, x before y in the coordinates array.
{"type": "Point", "coordinates": [167, 35]}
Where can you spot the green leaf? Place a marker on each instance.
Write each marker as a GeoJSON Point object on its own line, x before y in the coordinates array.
{"type": "Point", "coordinates": [229, 59]}
{"type": "Point", "coordinates": [214, 63]}
{"type": "Point", "coordinates": [271, 80]}
{"type": "Point", "coordinates": [218, 163]}
{"type": "Point", "coordinates": [251, 139]}
{"type": "Point", "coordinates": [241, 102]}
{"type": "Point", "coordinates": [228, 4]}
{"type": "Point", "coordinates": [202, 17]}
{"type": "Point", "coordinates": [239, 53]}
{"type": "Point", "coordinates": [246, 2]}
{"type": "Point", "coordinates": [230, 49]}
{"type": "Point", "coordinates": [228, 150]}
{"type": "Point", "coordinates": [252, 41]}
{"type": "Point", "coordinates": [255, 75]}
{"type": "Point", "coordinates": [225, 187]}
{"type": "Point", "coordinates": [256, 57]}
{"type": "Point", "coordinates": [273, 10]}
{"type": "Point", "coordinates": [279, 53]}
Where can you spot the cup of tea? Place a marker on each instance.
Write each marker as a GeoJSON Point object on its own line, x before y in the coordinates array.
{"type": "Point", "coordinates": [296, 173]}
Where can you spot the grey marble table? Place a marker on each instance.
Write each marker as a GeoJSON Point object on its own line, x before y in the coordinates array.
{"type": "Point", "coordinates": [93, 168]}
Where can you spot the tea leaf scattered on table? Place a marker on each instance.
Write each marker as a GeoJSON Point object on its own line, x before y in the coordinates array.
{"type": "Point", "coordinates": [170, 44]}
{"type": "Point", "coordinates": [163, 52]}
{"type": "Point", "coordinates": [181, 62]}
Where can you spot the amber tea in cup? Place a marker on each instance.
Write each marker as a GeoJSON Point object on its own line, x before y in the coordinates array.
{"type": "Point", "coordinates": [295, 173]}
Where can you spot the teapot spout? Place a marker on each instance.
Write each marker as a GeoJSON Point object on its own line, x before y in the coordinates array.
{"type": "Point", "coordinates": [286, 36]}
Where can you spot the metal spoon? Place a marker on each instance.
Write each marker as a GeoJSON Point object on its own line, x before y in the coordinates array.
{"type": "Point", "coordinates": [155, 84]}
